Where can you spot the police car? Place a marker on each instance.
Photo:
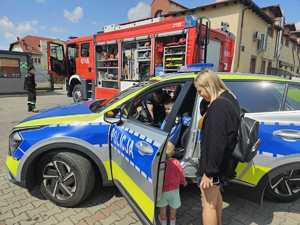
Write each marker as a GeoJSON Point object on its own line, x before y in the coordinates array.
{"type": "Point", "coordinates": [66, 150]}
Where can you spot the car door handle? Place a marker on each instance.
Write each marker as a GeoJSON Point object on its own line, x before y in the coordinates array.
{"type": "Point", "coordinates": [144, 148]}
{"type": "Point", "coordinates": [287, 134]}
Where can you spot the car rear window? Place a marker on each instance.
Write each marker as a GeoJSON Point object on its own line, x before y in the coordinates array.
{"type": "Point", "coordinates": [257, 96]}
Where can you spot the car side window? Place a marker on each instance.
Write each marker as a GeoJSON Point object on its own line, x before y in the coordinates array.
{"type": "Point", "coordinates": [149, 108]}
{"type": "Point", "coordinates": [293, 98]}
{"type": "Point", "coordinates": [258, 96]}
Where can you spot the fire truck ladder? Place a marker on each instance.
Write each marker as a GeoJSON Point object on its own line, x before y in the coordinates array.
{"type": "Point", "coordinates": [204, 28]}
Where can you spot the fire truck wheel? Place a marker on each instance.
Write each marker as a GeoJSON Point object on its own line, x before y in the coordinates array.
{"type": "Point", "coordinates": [76, 93]}
{"type": "Point", "coordinates": [67, 178]}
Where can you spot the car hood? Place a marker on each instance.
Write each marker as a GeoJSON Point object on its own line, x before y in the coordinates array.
{"type": "Point", "coordinates": [79, 112]}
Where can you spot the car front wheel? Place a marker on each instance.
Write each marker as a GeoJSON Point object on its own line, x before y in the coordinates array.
{"type": "Point", "coordinates": [66, 178]}
{"type": "Point", "coordinates": [285, 187]}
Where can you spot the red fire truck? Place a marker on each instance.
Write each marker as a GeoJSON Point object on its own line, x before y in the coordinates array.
{"type": "Point", "coordinates": [101, 65]}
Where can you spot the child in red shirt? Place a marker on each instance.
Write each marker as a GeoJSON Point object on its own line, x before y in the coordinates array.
{"type": "Point", "coordinates": [174, 177]}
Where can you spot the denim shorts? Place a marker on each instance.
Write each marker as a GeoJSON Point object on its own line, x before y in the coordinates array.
{"type": "Point", "coordinates": [170, 198]}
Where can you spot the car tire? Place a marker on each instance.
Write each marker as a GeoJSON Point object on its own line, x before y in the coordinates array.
{"type": "Point", "coordinates": [76, 93]}
{"type": "Point", "coordinates": [284, 187]}
{"type": "Point", "coordinates": [67, 178]}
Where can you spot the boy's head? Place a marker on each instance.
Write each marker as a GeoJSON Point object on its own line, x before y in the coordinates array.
{"type": "Point", "coordinates": [170, 151]}
{"type": "Point", "coordinates": [168, 104]}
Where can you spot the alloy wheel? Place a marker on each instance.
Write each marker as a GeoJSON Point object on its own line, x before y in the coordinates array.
{"type": "Point", "coordinates": [59, 180]}
{"type": "Point", "coordinates": [286, 184]}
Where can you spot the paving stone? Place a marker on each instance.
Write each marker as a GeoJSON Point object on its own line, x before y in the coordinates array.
{"type": "Point", "coordinates": [16, 219]}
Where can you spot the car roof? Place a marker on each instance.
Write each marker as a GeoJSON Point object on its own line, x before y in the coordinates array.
{"type": "Point", "coordinates": [224, 76]}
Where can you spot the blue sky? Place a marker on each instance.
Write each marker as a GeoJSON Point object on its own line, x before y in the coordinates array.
{"type": "Point", "coordinates": [64, 18]}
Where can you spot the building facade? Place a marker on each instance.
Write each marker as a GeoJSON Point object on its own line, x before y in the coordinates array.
{"type": "Point", "coordinates": [37, 47]}
{"type": "Point", "coordinates": [264, 43]}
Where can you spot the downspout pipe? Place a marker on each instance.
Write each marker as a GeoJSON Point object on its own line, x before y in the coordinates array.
{"type": "Point", "coordinates": [241, 38]}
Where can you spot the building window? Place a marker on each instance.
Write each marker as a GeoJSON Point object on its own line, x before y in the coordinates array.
{"type": "Point", "coordinates": [263, 67]}
{"type": "Point", "coordinates": [158, 13]}
{"type": "Point", "coordinates": [253, 64]}
{"type": "Point", "coordinates": [39, 60]}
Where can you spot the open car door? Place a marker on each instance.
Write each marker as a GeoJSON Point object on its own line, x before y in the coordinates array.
{"type": "Point", "coordinates": [138, 159]}
{"type": "Point", "coordinates": [56, 59]}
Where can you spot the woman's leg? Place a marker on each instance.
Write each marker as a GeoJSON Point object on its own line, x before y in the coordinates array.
{"type": "Point", "coordinates": [210, 205]}
{"type": "Point", "coordinates": [220, 207]}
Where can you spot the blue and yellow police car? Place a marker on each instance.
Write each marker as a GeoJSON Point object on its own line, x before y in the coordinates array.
{"type": "Point", "coordinates": [66, 150]}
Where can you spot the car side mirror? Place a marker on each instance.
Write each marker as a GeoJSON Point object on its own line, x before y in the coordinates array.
{"type": "Point", "coordinates": [113, 116]}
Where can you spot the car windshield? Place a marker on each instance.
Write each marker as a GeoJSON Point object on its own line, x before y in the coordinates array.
{"type": "Point", "coordinates": [101, 104]}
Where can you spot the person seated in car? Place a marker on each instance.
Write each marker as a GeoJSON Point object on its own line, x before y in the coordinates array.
{"type": "Point", "coordinates": [155, 106]}
{"type": "Point", "coordinates": [176, 129]}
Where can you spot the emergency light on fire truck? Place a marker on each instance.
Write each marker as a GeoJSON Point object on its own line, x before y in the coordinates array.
{"type": "Point", "coordinates": [100, 65]}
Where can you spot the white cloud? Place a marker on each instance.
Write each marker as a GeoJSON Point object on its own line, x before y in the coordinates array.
{"type": "Point", "coordinates": [58, 30]}
{"type": "Point", "coordinates": [75, 15]}
{"type": "Point", "coordinates": [11, 30]}
{"type": "Point", "coordinates": [140, 11]}
{"type": "Point", "coordinates": [298, 26]}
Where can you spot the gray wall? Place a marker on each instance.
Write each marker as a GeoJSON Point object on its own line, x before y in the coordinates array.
{"type": "Point", "coordinates": [14, 85]}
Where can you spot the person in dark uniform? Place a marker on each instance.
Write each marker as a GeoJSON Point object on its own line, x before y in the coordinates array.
{"type": "Point", "coordinates": [30, 87]}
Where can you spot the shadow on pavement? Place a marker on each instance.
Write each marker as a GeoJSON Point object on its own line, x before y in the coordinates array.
{"type": "Point", "coordinates": [99, 196]}
{"type": "Point", "coordinates": [236, 211]}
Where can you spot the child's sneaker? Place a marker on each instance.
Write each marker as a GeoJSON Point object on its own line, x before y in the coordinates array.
{"type": "Point", "coordinates": [162, 222]}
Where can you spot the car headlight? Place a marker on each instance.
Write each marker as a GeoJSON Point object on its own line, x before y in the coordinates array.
{"type": "Point", "coordinates": [14, 141]}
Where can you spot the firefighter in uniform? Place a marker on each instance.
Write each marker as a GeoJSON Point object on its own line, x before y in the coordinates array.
{"type": "Point", "coordinates": [30, 86]}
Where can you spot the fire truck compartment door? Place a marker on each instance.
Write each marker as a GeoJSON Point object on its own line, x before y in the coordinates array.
{"type": "Point", "coordinates": [214, 54]}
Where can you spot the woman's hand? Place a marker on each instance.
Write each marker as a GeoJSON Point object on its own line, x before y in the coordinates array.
{"type": "Point", "coordinates": [206, 182]}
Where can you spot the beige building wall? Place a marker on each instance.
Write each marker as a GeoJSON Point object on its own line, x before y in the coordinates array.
{"type": "Point", "coordinates": [229, 14]}
{"type": "Point", "coordinates": [288, 56]}
{"type": "Point", "coordinates": [253, 24]}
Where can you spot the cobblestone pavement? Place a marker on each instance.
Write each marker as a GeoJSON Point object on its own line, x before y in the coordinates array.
{"type": "Point", "coordinates": [107, 206]}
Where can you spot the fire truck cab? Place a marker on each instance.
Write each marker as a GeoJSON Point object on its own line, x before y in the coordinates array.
{"type": "Point", "coordinates": [112, 60]}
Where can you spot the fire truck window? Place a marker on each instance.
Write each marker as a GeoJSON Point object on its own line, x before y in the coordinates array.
{"type": "Point", "coordinates": [72, 54]}
{"type": "Point", "coordinates": [85, 50]}
{"type": "Point", "coordinates": [170, 53]}
{"type": "Point", "coordinates": [72, 51]}
{"type": "Point", "coordinates": [56, 51]}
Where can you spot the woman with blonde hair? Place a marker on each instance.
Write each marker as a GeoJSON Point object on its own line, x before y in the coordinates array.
{"type": "Point", "coordinates": [219, 127]}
